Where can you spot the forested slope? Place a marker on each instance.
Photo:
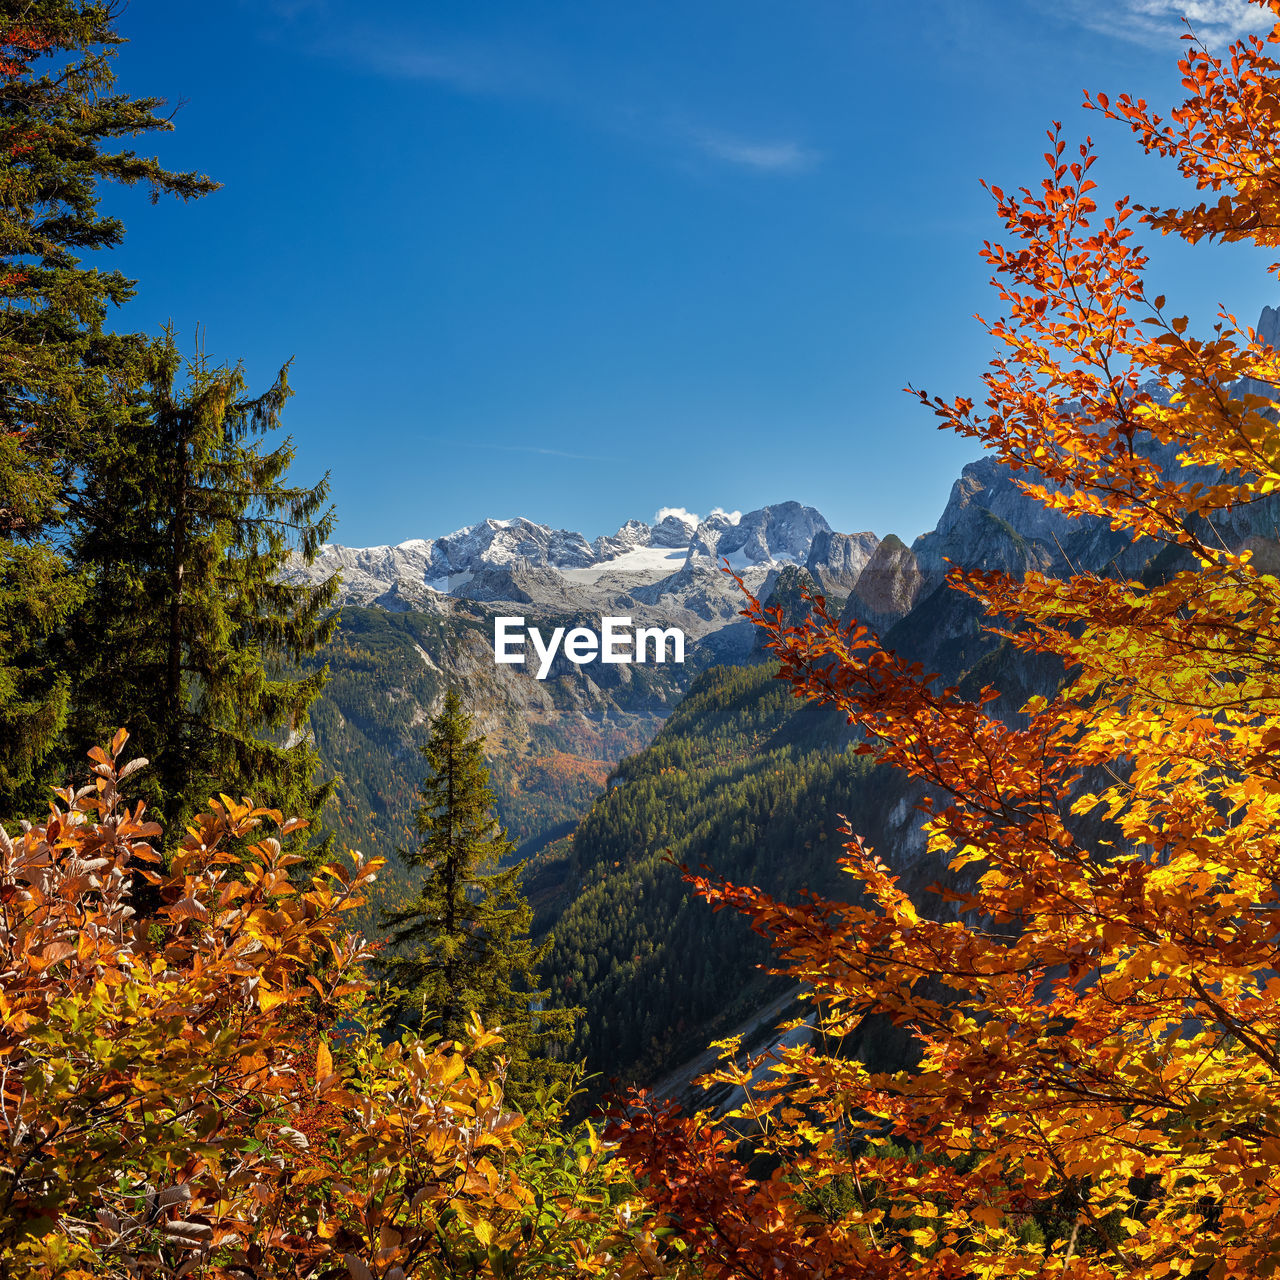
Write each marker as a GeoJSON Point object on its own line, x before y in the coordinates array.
{"type": "Point", "coordinates": [742, 778]}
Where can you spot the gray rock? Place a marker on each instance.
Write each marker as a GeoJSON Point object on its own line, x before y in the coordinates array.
{"type": "Point", "coordinates": [837, 559]}
{"type": "Point", "coordinates": [781, 534]}
{"type": "Point", "coordinates": [888, 588]}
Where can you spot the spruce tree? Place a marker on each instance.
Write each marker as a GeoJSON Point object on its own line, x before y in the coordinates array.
{"type": "Point", "coordinates": [59, 367]}
{"type": "Point", "coordinates": [465, 945]}
{"type": "Point", "coordinates": [192, 628]}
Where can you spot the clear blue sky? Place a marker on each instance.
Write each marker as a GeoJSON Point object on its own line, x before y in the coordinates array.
{"type": "Point", "coordinates": [577, 261]}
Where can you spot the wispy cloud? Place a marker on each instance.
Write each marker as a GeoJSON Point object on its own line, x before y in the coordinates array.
{"type": "Point", "coordinates": [439, 68]}
{"type": "Point", "coordinates": [530, 448]}
{"type": "Point", "coordinates": [467, 67]}
{"type": "Point", "coordinates": [513, 70]}
{"type": "Point", "coordinates": [761, 155]}
{"type": "Point", "coordinates": [1160, 22]}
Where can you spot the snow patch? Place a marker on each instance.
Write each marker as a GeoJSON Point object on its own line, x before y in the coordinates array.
{"type": "Point", "coordinates": [444, 585]}
{"type": "Point", "coordinates": [740, 560]}
{"type": "Point", "coordinates": [647, 560]}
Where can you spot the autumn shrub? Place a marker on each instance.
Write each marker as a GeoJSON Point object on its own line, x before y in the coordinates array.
{"type": "Point", "coordinates": [202, 1093]}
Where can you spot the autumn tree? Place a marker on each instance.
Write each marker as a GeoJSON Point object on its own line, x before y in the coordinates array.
{"type": "Point", "coordinates": [191, 624]}
{"type": "Point", "coordinates": [59, 363]}
{"type": "Point", "coordinates": [465, 939]}
{"type": "Point", "coordinates": [1097, 1010]}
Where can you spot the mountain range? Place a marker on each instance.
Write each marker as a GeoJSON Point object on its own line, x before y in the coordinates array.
{"type": "Point", "coordinates": [671, 566]}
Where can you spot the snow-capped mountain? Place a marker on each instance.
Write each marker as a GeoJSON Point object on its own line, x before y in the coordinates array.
{"type": "Point", "coordinates": [776, 535]}
{"type": "Point", "coordinates": [672, 562]}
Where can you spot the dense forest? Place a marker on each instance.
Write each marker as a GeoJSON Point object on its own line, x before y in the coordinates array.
{"type": "Point", "coordinates": [742, 778]}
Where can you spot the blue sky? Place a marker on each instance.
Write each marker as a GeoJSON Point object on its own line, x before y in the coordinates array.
{"type": "Point", "coordinates": [579, 261]}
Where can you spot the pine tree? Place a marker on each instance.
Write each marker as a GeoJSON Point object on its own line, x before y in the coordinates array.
{"type": "Point", "coordinates": [467, 931]}
{"type": "Point", "coordinates": [58, 365]}
{"type": "Point", "coordinates": [192, 628]}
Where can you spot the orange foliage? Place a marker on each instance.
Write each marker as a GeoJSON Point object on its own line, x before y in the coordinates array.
{"type": "Point", "coordinates": [557, 768]}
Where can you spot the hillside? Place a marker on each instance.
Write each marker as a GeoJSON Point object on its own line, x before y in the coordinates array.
{"type": "Point", "coordinates": [741, 777]}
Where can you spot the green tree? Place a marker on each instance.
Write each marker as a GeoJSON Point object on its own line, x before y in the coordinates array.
{"type": "Point", "coordinates": [59, 367]}
{"type": "Point", "coordinates": [192, 627]}
{"type": "Point", "coordinates": [465, 937]}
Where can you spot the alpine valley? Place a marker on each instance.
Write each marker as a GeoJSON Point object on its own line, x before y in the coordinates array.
{"type": "Point", "coordinates": [610, 775]}
{"type": "Point", "coordinates": [419, 617]}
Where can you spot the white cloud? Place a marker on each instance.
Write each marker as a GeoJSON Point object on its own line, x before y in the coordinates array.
{"type": "Point", "coordinates": [731, 516]}
{"type": "Point", "coordinates": [773, 156]}
{"type": "Point", "coordinates": [470, 68]}
{"type": "Point", "coordinates": [680, 513]}
{"type": "Point", "coordinates": [1160, 22]}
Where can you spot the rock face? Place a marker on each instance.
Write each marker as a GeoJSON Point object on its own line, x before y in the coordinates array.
{"type": "Point", "coordinates": [633, 534]}
{"type": "Point", "coordinates": [836, 560]}
{"type": "Point", "coordinates": [521, 583]}
{"type": "Point", "coordinates": [775, 535]}
{"type": "Point", "coordinates": [672, 531]}
{"type": "Point", "coordinates": [989, 523]}
{"type": "Point", "coordinates": [887, 589]}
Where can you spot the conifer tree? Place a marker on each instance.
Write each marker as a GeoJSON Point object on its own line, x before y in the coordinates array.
{"type": "Point", "coordinates": [191, 624]}
{"type": "Point", "coordinates": [467, 932]}
{"type": "Point", "coordinates": [58, 364]}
